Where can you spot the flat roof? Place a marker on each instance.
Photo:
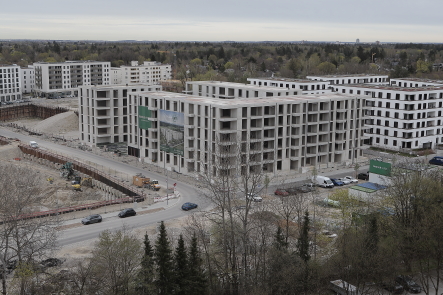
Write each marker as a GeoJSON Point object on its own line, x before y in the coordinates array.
{"type": "Point", "coordinates": [419, 80]}
{"type": "Point", "coordinates": [347, 76]}
{"type": "Point", "coordinates": [392, 87]}
{"type": "Point", "coordinates": [288, 80]}
{"type": "Point", "coordinates": [239, 85]}
{"type": "Point", "coordinates": [248, 101]}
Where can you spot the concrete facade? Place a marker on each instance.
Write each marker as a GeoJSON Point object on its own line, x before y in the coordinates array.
{"type": "Point", "coordinates": [103, 112]}
{"type": "Point", "coordinates": [27, 76]}
{"type": "Point", "coordinates": [150, 72]}
{"type": "Point", "coordinates": [228, 90]}
{"type": "Point", "coordinates": [401, 117]}
{"type": "Point", "coordinates": [302, 86]}
{"type": "Point", "coordinates": [60, 79]}
{"type": "Point", "coordinates": [10, 83]}
{"type": "Point", "coordinates": [351, 79]}
{"type": "Point", "coordinates": [277, 134]}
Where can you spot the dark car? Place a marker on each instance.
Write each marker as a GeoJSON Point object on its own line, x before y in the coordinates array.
{"type": "Point", "coordinates": [189, 206]}
{"type": "Point", "coordinates": [436, 161]}
{"type": "Point", "coordinates": [409, 284]}
{"type": "Point", "coordinates": [281, 192]}
{"type": "Point", "coordinates": [337, 182]}
{"type": "Point", "coordinates": [393, 287]}
{"type": "Point", "coordinates": [363, 176]}
{"type": "Point", "coordinates": [51, 262]}
{"type": "Point", "coordinates": [306, 188]}
{"type": "Point", "coordinates": [94, 218]}
{"type": "Point", "coordinates": [127, 212]}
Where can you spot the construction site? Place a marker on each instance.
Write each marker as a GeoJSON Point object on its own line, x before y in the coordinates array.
{"type": "Point", "coordinates": [72, 185]}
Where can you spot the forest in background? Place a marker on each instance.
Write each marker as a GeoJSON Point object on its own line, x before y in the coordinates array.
{"type": "Point", "coordinates": [235, 61]}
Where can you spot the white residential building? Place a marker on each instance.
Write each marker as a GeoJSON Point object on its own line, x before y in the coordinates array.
{"type": "Point", "coordinates": [28, 80]}
{"type": "Point", "coordinates": [414, 82]}
{"type": "Point", "coordinates": [150, 72]}
{"type": "Point", "coordinates": [351, 79]}
{"type": "Point", "coordinates": [10, 83]}
{"type": "Point", "coordinates": [59, 79]}
{"type": "Point", "coordinates": [229, 90]}
{"type": "Point", "coordinates": [277, 134]}
{"type": "Point", "coordinates": [401, 117]}
{"type": "Point", "coordinates": [103, 112]}
{"type": "Point", "coordinates": [302, 86]}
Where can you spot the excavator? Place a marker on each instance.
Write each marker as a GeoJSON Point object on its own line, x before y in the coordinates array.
{"type": "Point", "coordinates": [80, 182]}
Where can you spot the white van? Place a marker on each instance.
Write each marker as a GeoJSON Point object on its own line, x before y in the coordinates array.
{"type": "Point", "coordinates": [33, 144]}
{"type": "Point", "coordinates": [322, 181]}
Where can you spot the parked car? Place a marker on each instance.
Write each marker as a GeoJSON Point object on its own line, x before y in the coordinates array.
{"type": "Point", "coordinates": [337, 182]}
{"type": "Point", "coordinates": [409, 284]}
{"type": "Point", "coordinates": [94, 218]}
{"type": "Point", "coordinates": [345, 181]}
{"type": "Point", "coordinates": [281, 192]}
{"type": "Point", "coordinates": [254, 197]}
{"type": "Point", "coordinates": [351, 179]}
{"type": "Point", "coordinates": [363, 176]}
{"type": "Point", "coordinates": [189, 206]}
{"type": "Point", "coordinates": [306, 187]}
{"type": "Point", "coordinates": [393, 287]}
{"type": "Point", "coordinates": [51, 262]}
{"type": "Point", "coordinates": [293, 191]}
{"type": "Point", "coordinates": [127, 212]}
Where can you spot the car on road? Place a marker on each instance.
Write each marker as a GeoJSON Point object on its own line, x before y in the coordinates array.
{"type": "Point", "coordinates": [351, 179]}
{"type": "Point", "coordinates": [94, 218]}
{"type": "Point", "coordinates": [436, 161]}
{"type": "Point", "coordinates": [344, 180]}
{"type": "Point", "coordinates": [254, 197]}
{"type": "Point", "coordinates": [393, 287]}
{"type": "Point", "coordinates": [281, 192]}
{"type": "Point", "coordinates": [408, 283]}
{"type": "Point", "coordinates": [127, 212]}
{"type": "Point", "coordinates": [363, 176]}
{"type": "Point", "coordinates": [189, 206]}
{"type": "Point", "coordinates": [337, 182]}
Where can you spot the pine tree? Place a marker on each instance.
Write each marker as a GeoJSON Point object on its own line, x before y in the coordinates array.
{"type": "Point", "coordinates": [181, 273]}
{"type": "Point", "coordinates": [164, 263]}
{"type": "Point", "coordinates": [303, 240]}
{"type": "Point", "coordinates": [197, 276]}
{"type": "Point", "coordinates": [145, 282]}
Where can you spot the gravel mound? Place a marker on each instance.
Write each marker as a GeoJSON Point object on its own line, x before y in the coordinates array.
{"type": "Point", "coordinates": [59, 124]}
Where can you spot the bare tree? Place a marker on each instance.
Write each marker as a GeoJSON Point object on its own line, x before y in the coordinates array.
{"type": "Point", "coordinates": [23, 241]}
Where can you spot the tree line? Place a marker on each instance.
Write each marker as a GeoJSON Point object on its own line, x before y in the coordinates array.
{"type": "Point", "coordinates": [237, 61]}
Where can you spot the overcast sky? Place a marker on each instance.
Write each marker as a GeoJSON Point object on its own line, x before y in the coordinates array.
{"type": "Point", "coordinates": [228, 20]}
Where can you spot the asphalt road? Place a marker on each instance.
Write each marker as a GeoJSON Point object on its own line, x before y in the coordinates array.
{"type": "Point", "coordinates": [75, 235]}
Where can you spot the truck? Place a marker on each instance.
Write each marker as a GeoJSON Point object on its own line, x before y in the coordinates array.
{"type": "Point", "coordinates": [33, 144]}
{"type": "Point", "coordinates": [322, 181]}
{"type": "Point", "coordinates": [343, 288]}
{"type": "Point", "coordinates": [146, 182]}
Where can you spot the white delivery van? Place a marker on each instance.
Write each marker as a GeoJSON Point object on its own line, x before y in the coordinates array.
{"type": "Point", "coordinates": [323, 181]}
{"type": "Point", "coordinates": [33, 144]}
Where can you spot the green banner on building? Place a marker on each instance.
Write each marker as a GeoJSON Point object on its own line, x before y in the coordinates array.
{"type": "Point", "coordinates": [381, 168]}
{"type": "Point", "coordinates": [143, 117]}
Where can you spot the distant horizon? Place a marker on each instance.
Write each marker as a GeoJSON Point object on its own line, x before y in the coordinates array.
{"type": "Point", "coordinates": [215, 41]}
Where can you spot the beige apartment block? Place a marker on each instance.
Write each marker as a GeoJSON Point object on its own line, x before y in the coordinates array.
{"type": "Point", "coordinates": [10, 83]}
{"type": "Point", "coordinates": [188, 133]}
{"type": "Point", "coordinates": [55, 80]}
{"type": "Point", "coordinates": [103, 112]}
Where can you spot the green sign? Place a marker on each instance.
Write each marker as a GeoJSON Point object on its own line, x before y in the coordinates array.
{"type": "Point", "coordinates": [380, 168]}
{"type": "Point", "coordinates": [143, 117]}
